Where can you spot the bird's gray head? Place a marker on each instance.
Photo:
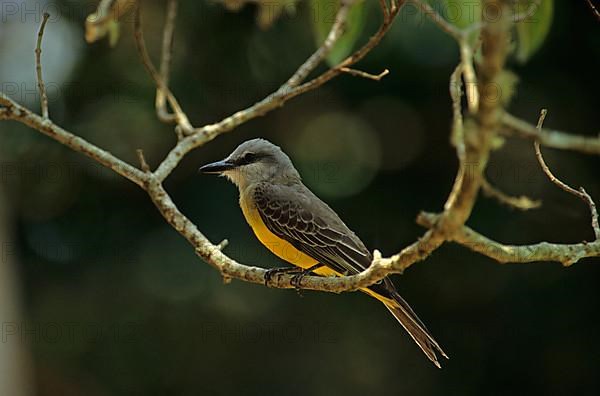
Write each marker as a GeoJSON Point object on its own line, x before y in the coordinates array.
{"type": "Point", "coordinates": [254, 161]}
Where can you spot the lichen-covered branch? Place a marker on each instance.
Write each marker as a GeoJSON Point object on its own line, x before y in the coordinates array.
{"type": "Point", "coordinates": [16, 112]}
{"type": "Point", "coordinates": [567, 254]}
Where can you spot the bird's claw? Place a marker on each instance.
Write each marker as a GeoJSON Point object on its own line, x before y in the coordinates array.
{"type": "Point", "coordinates": [274, 271]}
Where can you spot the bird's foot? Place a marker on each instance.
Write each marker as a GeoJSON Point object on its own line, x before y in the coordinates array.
{"type": "Point", "coordinates": [296, 280]}
{"type": "Point", "coordinates": [275, 271]}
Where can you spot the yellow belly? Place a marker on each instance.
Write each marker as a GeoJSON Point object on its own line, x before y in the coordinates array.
{"type": "Point", "coordinates": [280, 247]}
{"type": "Point", "coordinates": [285, 251]}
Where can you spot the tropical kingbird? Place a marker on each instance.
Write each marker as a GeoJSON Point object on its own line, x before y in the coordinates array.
{"type": "Point", "coordinates": [299, 228]}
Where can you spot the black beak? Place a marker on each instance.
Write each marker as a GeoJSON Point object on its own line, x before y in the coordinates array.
{"type": "Point", "coordinates": [217, 167]}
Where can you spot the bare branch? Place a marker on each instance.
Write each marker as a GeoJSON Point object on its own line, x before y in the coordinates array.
{"type": "Point", "coordinates": [567, 254]}
{"type": "Point", "coordinates": [360, 73]}
{"type": "Point", "coordinates": [594, 9]}
{"type": "Point", "coordinates": [384, 8]}
{"type": "Point", "coordinates": [581, 193]}
{"type": "Point", "coordinates": [165, 63]}
{"type": "Point", "coordinates": [550, 138]}
{"type": "Point", "coordinates": [202, 135]}
{"type": "Point", "coordinates": [18, 113]}
{"type": "Point", "coordinates": [38, 66]}
{"type": "Point", "coordinates": [142, 160]}
{"type": "Point", "coordinates": [180, 116]}
{"type": "Point", "coordinates": [457, 135]}
{"type": "Point", "coordinates": [337, 29]}
{"type": "Point", "coordinates": [466, 56]}
{"type": "Point", "coordinates": [439, 20]}
{"type": "Point", "coordinates": [522, 202]}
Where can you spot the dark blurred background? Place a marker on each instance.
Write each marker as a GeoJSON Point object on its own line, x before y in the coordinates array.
{"type": "Point", "coordinates": [100, 297]}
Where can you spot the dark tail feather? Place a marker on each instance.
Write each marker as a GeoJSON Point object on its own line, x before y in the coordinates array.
{"type": "Point", "coordinates": [413, 325]}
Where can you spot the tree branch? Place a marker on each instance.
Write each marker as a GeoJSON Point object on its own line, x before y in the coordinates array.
{"type": "Point", "coordinates": [522, 202]}
{"type": "Point", "coordinates": [38, 67]}
{"type": "Point", "coordinates": [369, 76]}
{"type": "Point", "coordinates": [202, 135]}
{"type": "Point", "coordinates": [594, 9]}
{"type": "Point", "coordinates": [180, 116]}
{"type": "Point", "coordinates": [439, 20]}
{"type": "Point", "coordinates": [16, 112]}
{"type": "Point", "coordinates": [567, 254]}
{"type": "Point", "coordinates": [581, 193]}
{"type": "Point", "coordinates": [165, 63]}
{"type": "Point", "coordinates": [549, 137]}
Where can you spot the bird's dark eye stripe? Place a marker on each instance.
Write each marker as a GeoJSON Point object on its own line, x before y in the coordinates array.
{"type": "Point", "coordinates": [249, 158]}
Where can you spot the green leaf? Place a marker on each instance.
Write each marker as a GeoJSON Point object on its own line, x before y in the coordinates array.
{"type": "Point", "coordinates": [460, 13]}
{"type": "Point", "coordinates": [323, 16]}
{"type": "Point", "coordinates": [532, 31]}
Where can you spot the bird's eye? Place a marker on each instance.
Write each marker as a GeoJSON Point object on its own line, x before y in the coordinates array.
{"type": "Point", "coordinates": [249, 158]}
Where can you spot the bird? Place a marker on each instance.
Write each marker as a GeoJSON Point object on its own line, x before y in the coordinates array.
{"type": "Point", "coordinates": [301, 229]}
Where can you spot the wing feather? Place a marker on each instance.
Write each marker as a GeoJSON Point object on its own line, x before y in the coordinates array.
{"type": "Point", "coordinates": [297, 216]}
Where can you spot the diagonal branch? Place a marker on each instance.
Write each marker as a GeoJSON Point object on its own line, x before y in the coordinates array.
{"type": "Point", "coordinates": [16, 112]}
{"type": "Point", "coordinates": [522, 202]}
{"type": "Point", "coordinates": [594, 9]}
{"type": "Point", "coordinates": [439, 20]}
{"type": "Point", "coordinates": [336, 31]}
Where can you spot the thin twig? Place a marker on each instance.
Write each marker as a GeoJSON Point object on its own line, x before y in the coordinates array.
{"type": "Point", "coordinates": [472, 91]}
{"type": "Point", "coordinates": [181, 117]}
{"type": "Point", "coordinates": [165, 62]}
{"type": "Point", "coordinates": [581, 193]}
{"type": "Point", "coordinates": [439, 20]}
{"type": "Point", "coordinates": [384, 8]}
{"type": "Point", "coordinates": [337, 29]}
{"type": "Point", "coordinates": [142, 160]}
{"type": "Point", "coordinates": [457, 136]}
{"type": "Point", "coordinates": [548, 137]}
{"type": "Point", "coordinates": [38, 67]}
{"type": "Point", "coordinates": [360, 73]}
{"type": "Point", "coordinates": [521, 203]}
{"type": "Point", "coordinates": [594, 9]}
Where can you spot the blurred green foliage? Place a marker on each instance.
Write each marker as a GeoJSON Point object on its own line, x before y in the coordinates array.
{"type": "Point", "coordinates": [323, 18]}
{"type": "Point", "coordinates": [117, 303]}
